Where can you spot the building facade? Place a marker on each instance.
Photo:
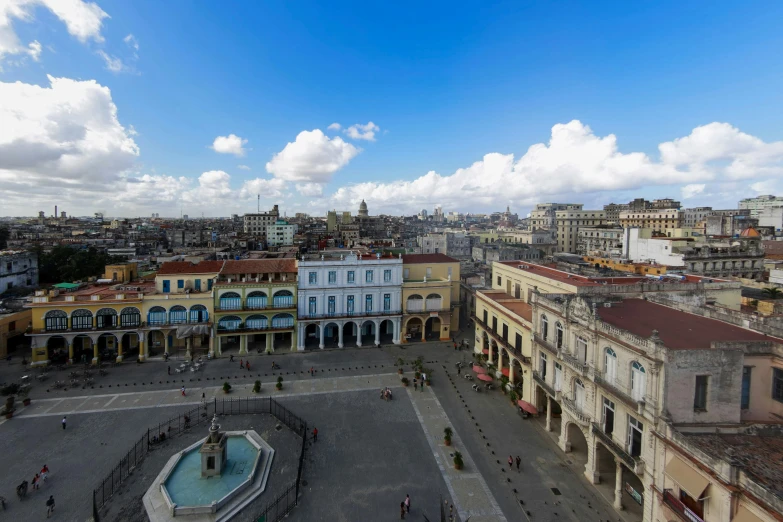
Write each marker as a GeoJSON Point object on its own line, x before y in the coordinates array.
{"type": "Point", "coordinates": [430, 293]}
{"type": "Point", "coordinates": [569, 222]}
{"type": "Point", "coordinates": [662, 221]}
{"type": "Point", "coordinates": [755, 205]}
{"type": "Point", "coordinates": [256, 224]}
{"type": "Point", "coordinates": [18, 269]}
{"type": "Point", "coordinates": [351, 299]}
{"type": "Point", "coordinates": [603, 240]}
{"type": "Point", "coordinates": [280, 233]}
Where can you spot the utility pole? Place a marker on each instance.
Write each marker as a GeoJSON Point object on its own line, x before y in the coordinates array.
{"type": "Point", "coordinates": [259, 203]}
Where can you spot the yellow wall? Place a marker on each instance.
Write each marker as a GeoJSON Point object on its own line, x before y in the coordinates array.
{"type": "Point", "coordinates": [38, 312]}
{"type": "Point", "coordinates": [122, 273]}
{"type": "Point", "coordinates": [511, 276]}
{"type": "Point", "coordinates": [762, 406]}
{"type": "Point", "coordinates": [21, 320]}
{"type": "Point", "coordinates": [633, 268]}
{"type": "Point", "coordinates": [437, 283]}
{"type": "Point", "coordinates": [188, 282]}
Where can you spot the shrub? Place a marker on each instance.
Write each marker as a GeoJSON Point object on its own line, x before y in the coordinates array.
{"type": "Point", "coordinates": [226, 387]}
{"type": "Point", "coordinates": [513, 396]}
{"type": "Point", "coordinates": [447, 433]}
{"type": "Point", "coordinates": [404, 381]}
{"type": "Point", "coordinates": [257, 387]}
{"type": "Point", "coordinates": [458, 460]}
{"type": "Point", "coordinates": [10, 389]}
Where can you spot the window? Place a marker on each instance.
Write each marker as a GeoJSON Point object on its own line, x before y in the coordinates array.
{"type": "Point", "coordinates": [638, 381]}
{"type": "Point", "coordinates": [209, 284]}
{"type": "Point", "coordinates": [485, 317]}
{"type": "Point", "coordinates": [166, 286]}
{"type": "Point", "coordinates": [178, 314]}
{"type": "Point", "coordinates": [106, 318]}
{"type": "Point", "coordinates": [312, 305]}
{"type": "Point", "coordinates": [542, 364]}
{"type": "Point", "coordinates": [428, 271]}
{"type": "Point", "coordinates": [700, 394]}
{"type": "Point", "coordinates": [386, 302]}
{"type": "Point", "coordinates": [81, 320]}
{"type": "Point", "coordinates": [607, 417]}
{"type": "Point", "coordinates": [198, 285]}
{"type": "Point", "coordinates": [406, 273]}
{"type": "Point", "coordinates": [518, 342]}
{"type": "Point", "coordinates": [368, 276]}
{"type": "Point", "coordinates": [312, 278]}
{"type": "Point", "coordinates": [368, 303]}
{"type": "Point", "coordinates": [332, 277]}
{"type": "Point", "coordinates": [777, 384]}
{"type": "Point", "coordinates": [558, 335]}
{"type": "Point", "coordinates": [544, 327]}
{"type": "Point", "coordinates": [581, 349]}
{"type": "Point", "coordinates": [350, 304]}
{"type": "Point", "coordinates": [56, 320]}
{"type": "Point", "coordinates": [387, 276]}
{"type": "Point", "coordinates": [351, 276]}
{"type": "Point", "coordinates": [505, 332]}
{"type": "Point", "coordinates": [180, 283]}
{"type": "Point", "coordinates": [745, 398]}
{"type": "Point", "coordinates": [610, 366]}
{"type": "Point", "coordinates": [331, 305]}
{"type": "Point", "coordinates": [495, 324]}
{"type": "Point", "coordinates": [230, 301]}
{"type": "Point", "coordinates": [635, 431]}
{"type": "Point", "coordinates": [558, 376]}
{"type": "Point", "coordinates": [579, 394]}
{"type": "Point", "coordinates": [500, 281]}
{"type": "Point", "coordinates": [11, 326]}
{"type": "Point", "coordinates": [449, 272]}
{"type": "Point", "coordinates": [130, 317]}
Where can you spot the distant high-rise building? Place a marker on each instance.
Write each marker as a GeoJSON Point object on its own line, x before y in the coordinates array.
{"type": "Point", "coordinates": [755, 205]}
{"type": "Point", "coordinates": [256, 224]}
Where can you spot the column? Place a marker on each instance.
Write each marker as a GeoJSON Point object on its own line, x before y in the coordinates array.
{"type": "Point", "coordinates": [219, 346]}
{"type": "Point", "coordinates": [293, 340]}
{"type": "Point", "coordinates": [167, 342]}
{"type": "Point", "coordinates": [377, 334]}
{"type": "Point", "coordinates": [591, 467]}
{"type": "Point", "coordinates": [70, 351]}
{"type": "Point", "coordinates": [269, 347]}
{"type": "Point", "coordinates": [490, 354]}
{"type": "Point", "coordinates": [397, 332]}
{"type": "Point", "coordinates": [188, 344]}
{"type": "Point", "coordinates": [321, 335]}
{"type": "Point", "coordinates": [95, 353]}
{"type": "Point", "coordinates": [548, 413]}
{"type": "Point", "coordinates": [301, 328]}
{"type": "Point", "coordinates": [142, 349]}
{"type": "Point", "coordinates": [424, 330]}
{"type": "Point", "coordinates": [340, 336]}
{"type": "Point", "coordinates": [243, 345]}
{"type": "Point", "coordinates": [358, 335]}
{"type": "Point", "coordinates": [211, 345]}
{"type": "Point", "coordinates": [119, 351]}
{"type": "Point", "coordinates": [511, 371]}
{"type": "Point", "coordinates": [618, 486]}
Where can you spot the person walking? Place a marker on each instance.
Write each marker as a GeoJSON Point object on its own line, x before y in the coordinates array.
{"type": "Point", "coordinates": [247, 365]}
{"type": "Point", "coordinates": [231, 358]}
{"type": "Point", "coordinates": [519, 461]}
{"type": "Point", "coordinates": [183, 391]}
{"type": "Point", "coordinates": [408, 503]}
{"type": "Point", "coordinates": [241, 364]}
{"type": "Point", "coordinates": [50, 506]}
{"type": "Point", "coordinates": [402, 510]}
{"type": "Point", "coordinates": [63, 422]}
{"type": "Point", "coordinates": [169, 368]}
{"type": "Point", "coordinates": [315, 434]}
{"type": "Point", "coordinates": [44, 472]}
{"type": "Point", "coordinates": [510, 462]}
{"type": "Point", "coordinates": [415, 384]}
{"type": "Point", "coordinates": [312, 372]}
{"type": "Point", "coordinates": [35, 481]}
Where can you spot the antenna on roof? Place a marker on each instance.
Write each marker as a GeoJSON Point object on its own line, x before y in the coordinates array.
{"type": "Point", "coordinates": [259, 203]}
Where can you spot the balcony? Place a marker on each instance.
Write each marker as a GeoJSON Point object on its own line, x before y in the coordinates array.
{"type": "Point", "coordinates": [574, 410]}
{"type": "Point", "coordinates": [574, 363]}
{"type": "Point", "coordinates": [501, 341]}
{"type": "Point", "coordinates": [634, 463]}
{"type": "Point", "coordinates": [241, 330]}
{"type": "Point", "coordinates": [542, 382]}
{"type": "Point", "coordinates": [250, 308]}
{"type": "Point", "coordinates": [342, 315]}
{"type": "Point", "coordinates": [678, 508]}
{"type": "Point", "coordinates": [617, 389]}
{"type": "Point", "coordinates": [547, 345]}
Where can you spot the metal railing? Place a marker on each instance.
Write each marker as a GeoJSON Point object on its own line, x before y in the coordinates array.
{"type": "Point", "coordinates": [680, 509]}
{"type": "Point", "coordinates": [542, 382]}
{"type": "Point", "coordinates": [362, 313]}
{"type": "Point", "coordinates": [547, 345]}
{"type": "Point", "coordinates": [574, 362]}
{"type": "Point", "coordinates": [247, 307]}
{"type": "Point", "coordinates": [246, 329]}
{"type": "Point", "coordinates": [576, 412]}
{"type": "Point", "coordinates": [614, 447]}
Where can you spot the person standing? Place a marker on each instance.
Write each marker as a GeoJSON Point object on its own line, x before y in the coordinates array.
{"type": "Point", "coordinates": [519, 461]}
{"type": "Point", "coordinates": [241, 364]}
{"type": "Point", "coordinates": [44, 472]}
{"type": "Point", "coordinates": [247, 365]}
{"type": "Point", "coordinates": [231, 358]}
{"type": "Point", "coordinates": [50, 506]}
{"type": "Point", "coordinates": [510, 462]}
{"type": "Point", "coordinates": [315, 434]}
{"type": "Point", "coordinates": [63, 422]}
{"type": "Point", "coordinates": [169, 368]}
{"type": "Point", "coordinates": [408, 503]}
{"type": "Point", "coordinates": [402, 510]}
{"type": "Point", "coordinates": [35, 481]}
{"type": "Point", "coordinates": [183, 391]}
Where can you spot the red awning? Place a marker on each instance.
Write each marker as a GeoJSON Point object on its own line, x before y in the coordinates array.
{"type": "Point", "coordinates": [527, 407]}
{"type": "Point", "coordinates": [478, 369]}
{"type": "Point", "coordinates": [504, 371]}
{"type": "Point", "coordinates": [484, 377]}
{"type": "Point", "coordinates": [485, 351]}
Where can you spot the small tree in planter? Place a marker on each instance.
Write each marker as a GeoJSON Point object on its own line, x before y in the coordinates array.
{"type": "Point", "coordinates": [417, 374]}
{"type": "Point", "coordinates": [404, 381]}
{"type": "Point", "coordinates": [279, 384]}
{"type": "Point", "coordinates": [447, 433]}
{"type": "Point", "coordinates": [226, 387]}
{"type": "Point", "coordinates": [513, 396]}
{"type": "Point", "coordinates": [400, 363]}
{"type": "Point", "coordinates": [504, 383]}
{"type": "Point", "coordinates": [458, 460]}
{"type": "Point", "coordinates": [257, 387]}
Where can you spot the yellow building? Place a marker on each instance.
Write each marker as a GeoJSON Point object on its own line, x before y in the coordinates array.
{"type": "Point", "coordinates": [255, 306]}
{"type": "Point", "coordinates": [13, 324]}
{"type": "Point", "coordinates": [663, 221]}
{"type": "Point", "coordinates": [503, 334]}
{"type": "Point", "coordinates": [122, 272]}
{"type": "Point", "coordinates": [631, 268]}
{"type": "Point", "coordinates": [430, 293]}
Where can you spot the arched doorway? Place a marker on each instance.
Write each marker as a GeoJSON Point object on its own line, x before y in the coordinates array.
{"type": "Point", "coordinates": [350, 330]}
{"type": "Point", "coordinates": [432, 329]}
{"type": "Point", "coordinates": [413, 329]}
{"type": "Point", "coordinates": [107, 346]}
{"type": "Point", "coordinates": [282, 340]}
{"type": "Point", "coordinates": [387, 331]}
{"type": "Point", "coordinates": [518, 374]}
{"type": "Point", "coordinates": [368, 333]}
{"type": "Point", "coordinates": [331, 335]}
{"type": "Point", "coordinates": [130, 345]}
{"type": "Point", "coordinates": [82, 349]}
{"type": "Point", "coordinates": [156, 343]}
{"type": "Point", "coordinates": [198, 314]}
{"type": "Point", "coordinates": [57, 348]}
{"type": "Point", "coordinates": [503, 362]}
{"type": "Point", "coordinates": [106, 318]}
{"type": "Point", "coordinates": [575, 443]}
{"type": "Point", "coordinates": [312, 336]}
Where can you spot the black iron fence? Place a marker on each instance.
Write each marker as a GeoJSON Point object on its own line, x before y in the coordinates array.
{"type": "Point", "coordinates": [201, 415]}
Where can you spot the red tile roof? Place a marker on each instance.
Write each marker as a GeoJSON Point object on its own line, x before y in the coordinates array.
{"type": "Point", "coordinates": [184, 267]}
{"type": "Point", "coordinates": [427, 258]}
{"type": "Point", "coordinates": [678, 330]}
{"type": "Point", "coordinates": [260, 266]}
{"type": "Point", "coordinates": [571, 279]}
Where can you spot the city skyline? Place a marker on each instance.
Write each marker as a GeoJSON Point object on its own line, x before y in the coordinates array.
{"type": "Point", "coordinates": [115, 108]}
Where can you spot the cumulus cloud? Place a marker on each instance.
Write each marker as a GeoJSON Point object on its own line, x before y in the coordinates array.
{"type": "Point", "coordinates": [768, 186]}
{"type": "Point", "coordinates": [312, 157]}
{"type": "Point", "coordinates": [83, 20]}
{"type": "Point", "coordinates": [334, 126]}
{"type": "Point", "coordinates": [362, 132]}
{"type": "Point", "coordinates": [231, 144]}
{"type": "Point", "coordinates": [266, 188]}
{"type": "Point", "coordinates": [310, 189]}
{"type": "Point", "coordinates": [692, 190]}
{"type": "Point", "coordinates": [576, 161]}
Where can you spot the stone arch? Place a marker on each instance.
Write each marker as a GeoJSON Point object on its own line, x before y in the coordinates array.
{"type": "Point", "coordinates": [130, 344]}
{"type": "Point", "coordinates": [81, 319]}
{"type": "Point", "coordinates": [156, 343]}
{"type": "Point", "coordinates": [312, 333]}
{"type": "Point", "coordinates": [57, 349]}
{"type": "Point", "coordinates": [157, 316]}
{"type": "Point", "coordinates": [387, 331]}
{"type": "Point", "coordinates": [432, 327]}
{"type": "Point", "coordinates": [516, 365]}
{"type": "Point", "coordinates": [414, 327]}
{"type": "Point", "coordinates": [575, 439]}
{"type": "Point", "coordinates": [368, 329]}
{"type": "Point", "coordinates": [331, 335]}
{"type": "Point", "coordinates": [178, 314]}
{"type": "Point", "coordinates": [108, 343]}
{"type": "Point", "coordinates": [198, 313]}
{"type": "Point", "coordinates": [350, 332]}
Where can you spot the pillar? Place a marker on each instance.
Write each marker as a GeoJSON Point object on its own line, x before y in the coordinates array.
{"type": "Point", "coordinates": [95, 353]}
{"type": "Point", "coordinates": [340, 336]}
{"type": "Point", "coordinates": [510, 371]}
{"type": "Point", "coordinates": [591, 467]}
{"type": "Point", "coordinates": [188, 344]}
{"type": "Point", "coordinates": [167, 342]}
{"type": "Point", "coordinates": [358, 335]}
{"type": "Point", "coordinates": [70, 351]}
{"type": "Point", "coordinates": [321, 335]}
{"type": "Point", "coordinates": [293, 340]}
{"type": "Point", "coordinates": [301, 328]}
{"type": "Point", "coordinates": [142, 349]}
{"type": "Point", "coordinates": [269, 347]}
{"type": "Point", "coordinates": [243, 345]}
{"type": "Point", "coordinates": [424, 331]}
{"type": "Point", "coordinates": [490, 354]}
{"type": "Point", "coordinates": [548, 413]}
{"type": "Point", "coordinates": [377, 334]}
{"type": "Point", "coordinates": [211, 345]}
{"type": "Point", "coordinates": [618, 486]}
{"type": "Point", "coordinates": [119, 351]}
{"type": "Point", "coordinates": [219, 346]}
{"type": "Point", "coordinates": [397, 331]}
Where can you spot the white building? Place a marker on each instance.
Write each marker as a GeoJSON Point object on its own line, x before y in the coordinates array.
{"type": "Point", "coordinates": [281, 233]}
{"type": "Point", "coordinates": [350, 299]}
{"type": "Point", "coordinates": [18, 269]}
{"type": "Point", "coordinates": [639, 247]}
{"type": "Point", "coordinates": [771, 217]}
{"type": "Point", "coordinates": [755, 205]}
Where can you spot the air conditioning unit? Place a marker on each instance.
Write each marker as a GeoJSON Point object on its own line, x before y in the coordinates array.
{"type": "Point", "coordinates": [607, 305]}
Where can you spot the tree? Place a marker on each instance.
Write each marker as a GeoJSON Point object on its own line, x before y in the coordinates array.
{"type": "Point", "coordinates": [3, 237]}
{"type": "Point", "coordinates": [772, 293]}
{"type": "Point", "coordinates": [66, 264]}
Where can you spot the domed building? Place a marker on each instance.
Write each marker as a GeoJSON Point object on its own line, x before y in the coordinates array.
{"type": "Point", "coordinates": [363, 209]}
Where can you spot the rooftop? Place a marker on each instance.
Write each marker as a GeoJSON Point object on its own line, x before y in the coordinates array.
{"type": "Point", "coordinates": [184, 267]}
{"type": "Point", "coordinates": [677, 329]}
{"type": "Point", "coordinates": [515, 306]}
{"type": "Point", "coordinates": [427, 258]}
{"type": "Point", "coordinates": [259, 266]}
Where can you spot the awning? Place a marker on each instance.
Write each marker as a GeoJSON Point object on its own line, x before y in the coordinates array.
{"type": "Point", "coordinates": [484, 377]}
{"type": "Point", "coordinates": [485, 351]}
{"type": "Point", "coordinates": [185, 331]}
{"type": "Point", "coordinates": [688, 478]}
{"type": "Point", "coordinates": [478, 369]}
{"type": "Point", "coordinates": [745, 515]}
{"type": "Point", "coordinates": [504, 371]}
{"type": "Point", "coordinates": [527, 407]}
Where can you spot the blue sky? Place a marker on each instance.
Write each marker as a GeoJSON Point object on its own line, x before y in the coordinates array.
{"type": "Point", "coordinates": [444, 86]}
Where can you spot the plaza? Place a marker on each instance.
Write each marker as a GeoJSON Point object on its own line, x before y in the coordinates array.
{"type": "Point", "coordinates": [369, 454]}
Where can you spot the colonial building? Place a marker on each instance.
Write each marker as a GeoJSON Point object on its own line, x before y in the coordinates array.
{"type": "Point", "coordinates": [662, 221]}
{"type": "Point", "coordinates": [569, 222]}
{"type": "Point", "coordinates": [430, 291]}
{"type": "Point", "coordinates": [350, 299]}
{"type": "Point", "coordinates": [255, 306]}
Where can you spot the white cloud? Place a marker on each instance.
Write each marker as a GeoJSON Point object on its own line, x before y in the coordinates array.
{"type": "Point", "coordinates": [334, 126]}
{"type": "Point", "coordinates": [310, 189]}
{"type": "Point", "coordinates": [362, 132]}
{"type": "Point", "coordinates": [83, 20]}
{"type": "Point", "coordinates": [213, 186]}
{"type": "Point", "coordinates": [574, 162]}
{"type": "Point", "coordinates": [692, 190]}
{"type": "Point", "coordinates": [312, 157]}
{"type": "Point", "coordinates": [768, 186]}
{"type": "Point", "coordinates": [131, 41]}
{"type": "Point", "coordinates": [267, 188]}
{"type": "Point", "coordinates": [231, 144]}
{"type": "Point", "coordinates": [113, 63]}
{"type": "Point", "coordinates": [243, 167]}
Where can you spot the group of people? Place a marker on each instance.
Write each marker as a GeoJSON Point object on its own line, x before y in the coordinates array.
{"type": "Point", "coordinates": [39, 478]}
{"type": "Point", "coordinates": [386, 394]}
{"type": "Point", "coordinates": [405, 507]}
